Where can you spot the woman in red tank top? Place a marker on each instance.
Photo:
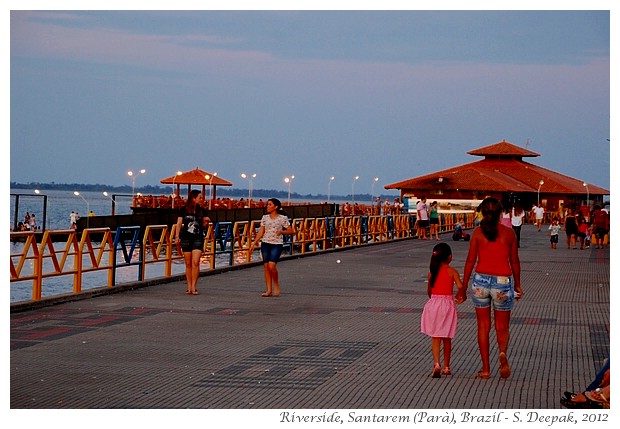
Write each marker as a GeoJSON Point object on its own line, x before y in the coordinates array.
{"type": "Point", "coordinates": [493, 252]}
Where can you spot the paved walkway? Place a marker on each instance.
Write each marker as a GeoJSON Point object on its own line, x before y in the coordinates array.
{"type": "Point", "coordinates": [341, 336]}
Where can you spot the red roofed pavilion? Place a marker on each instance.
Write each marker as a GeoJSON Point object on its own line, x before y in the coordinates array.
{"type": "Point", "coordinates": [196, 177]}
{"type": "Point", "coordinates": [504, 175]}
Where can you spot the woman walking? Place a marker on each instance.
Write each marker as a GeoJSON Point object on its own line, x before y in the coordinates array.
{"type": "Point", "coordinates": [496, 282]}
{"type": "Point", "coordinates": [272, 226]}
{"type": "Point", "coordinates": [433, 218]}
{"type": "Point", "coordinates": [517, 221]}
{"type": "Point", "coordinates": [190, 231]}
{"type": "Point", "coordinates": [571, 228]}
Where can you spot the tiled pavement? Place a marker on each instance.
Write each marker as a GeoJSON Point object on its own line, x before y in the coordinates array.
{"type": "Point", "coordinates": [341, 336]}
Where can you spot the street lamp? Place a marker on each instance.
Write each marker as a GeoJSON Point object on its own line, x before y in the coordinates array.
{"type": "Point", "coordinates": [251, 178]}
{"type": "Point", "coordinates": [353, 189]}
{"type": "Point", "coordinates": [588, 194]}
{"type": "Point", "coordinates": [210, 179]}
{"type": "Point", "coordinates": [542, 182]}
{"type": "Point", "coordinates": [372, 189]}
{"type": "Point", "coordinates": [77, 194]}
{"type": "Point", "coordinates": [174, 195]}
{"type": "Point", "coordinates": [105, 194]}
{"type": "Point", "coordinates": [289, 180]}
{"type": "Point", "coordinates": [131, 174]}
{"type": "Point", "coordinates": [38, 193]}
{"type": "Point", "coordinates": [329, 187]}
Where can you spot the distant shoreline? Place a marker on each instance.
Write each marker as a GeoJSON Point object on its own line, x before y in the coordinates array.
{"type": "Point", "coordinates": [222, 191]}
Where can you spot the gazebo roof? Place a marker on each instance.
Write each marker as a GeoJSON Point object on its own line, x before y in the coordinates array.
{"type": "Point", "coordinates": [195, 177]}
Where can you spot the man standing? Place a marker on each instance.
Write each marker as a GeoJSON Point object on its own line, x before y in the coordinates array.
{"type": "Point", "coordinates": [73, 217]}
{"type": "Point", "coordinates": [539, 211]}
{"type": "Point", "coordinates": [422, 217]}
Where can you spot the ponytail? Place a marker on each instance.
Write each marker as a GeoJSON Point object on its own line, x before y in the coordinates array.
{"type": "Point", "coordinates": [441, 253]}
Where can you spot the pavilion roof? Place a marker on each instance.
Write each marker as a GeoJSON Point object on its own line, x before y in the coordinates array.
{"type": "Point", "coordinates": [506, 173]}
{"type": "Point", "coordinates": [196, 177]}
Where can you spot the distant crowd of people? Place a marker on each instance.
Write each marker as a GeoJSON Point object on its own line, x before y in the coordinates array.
{"type": "Point", "coordinates": [177, 202]}
{"type": "Point", "coordinates": [379, 207]}
{"type": "Point", "coordinates": [580, 223]}
{"type": "Point", "coordinates": [29, 223]}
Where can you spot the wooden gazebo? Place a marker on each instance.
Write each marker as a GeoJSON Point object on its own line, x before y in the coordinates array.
{"type": "Point", "coordinates": [196, 177]}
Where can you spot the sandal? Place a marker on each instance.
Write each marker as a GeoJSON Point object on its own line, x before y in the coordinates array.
{"type": "Point", "coordinates": [598, 397]}
{"type": "Point", "coordinates": [266, 294]}
{"type": "Point", "coordinates": [195, 292]}
{"type": "Point", "coordinates": [483, 375]}
{"type": "Point", "coordinates": [446, 371]}
{"type": "Point", "coordinates": [436, 371]}
{"type": "Point", "coordinates": [504, 366]}
{"type": "Point", "coordinates": [188, 292]}
{"type": "Point", "coordinates": [587, 404]}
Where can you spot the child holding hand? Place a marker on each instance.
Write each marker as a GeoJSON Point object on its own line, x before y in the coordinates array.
{"type": "Point", "coordinates": [439, 314]}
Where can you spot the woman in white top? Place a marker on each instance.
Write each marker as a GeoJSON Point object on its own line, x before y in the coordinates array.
{"type": "Point", "coordinates": [272, 226]}
{"type": "Point", "coordinates": [517, 220]}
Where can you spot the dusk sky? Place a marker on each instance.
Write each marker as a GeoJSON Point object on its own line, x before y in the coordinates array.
{"type": "Point", "coordinates": [314, 94]}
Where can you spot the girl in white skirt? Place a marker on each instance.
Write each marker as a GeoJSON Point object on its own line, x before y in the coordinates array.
{"type": "Point", "coordinates": [439, 313]}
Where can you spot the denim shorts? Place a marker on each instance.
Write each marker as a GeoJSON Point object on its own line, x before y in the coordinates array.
{"type": "Point", "coordinates": [487, 289]}
{"type": "Point", "coordinates": [271, 252]}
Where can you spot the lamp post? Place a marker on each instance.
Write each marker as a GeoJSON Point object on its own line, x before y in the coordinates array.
{"type": "Point", "coordinates": [77, 194]}
{"type": "Point", "coordinates": [588, 194]}
{"type": "Point", "coordinates": [210, 177]}
{"type": "Point", "coordinates": [105, 194]}
{"type": "Point", "coordinates": [353, 189]}
{"type": "Point", "coordinates": [329, 187]}
{"type": "Point", "coordinates": [372, 189]}
{"type": "Point", "coordinates": [289, 181]}
{"type": "Point", "coordinates": [131, 174]}
{"type": "Point", "coordinates": [38, 193]}
{"type": "Point", "coordinates": [251, 179]}
{"type": "Point", "coordinates": [174, 195]}
{"type": "Point", "coordinates": [542, 182]}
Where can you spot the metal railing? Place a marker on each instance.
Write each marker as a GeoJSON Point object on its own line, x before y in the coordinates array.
{"type": "Point", "coordinates": [98, 249]}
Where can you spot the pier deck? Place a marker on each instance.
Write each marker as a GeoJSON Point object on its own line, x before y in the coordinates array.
{"type": "Point", "coordinates": [341, 336]}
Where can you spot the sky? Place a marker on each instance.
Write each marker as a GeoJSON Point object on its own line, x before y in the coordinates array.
{"type": "Point", "coordinates": [387, 94]}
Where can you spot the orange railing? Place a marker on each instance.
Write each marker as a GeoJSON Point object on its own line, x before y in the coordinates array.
{"type": "Point", "coordinates": [69, 253]}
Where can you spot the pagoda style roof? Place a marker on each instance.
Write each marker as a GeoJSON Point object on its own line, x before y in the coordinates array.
{"type": "Point", "coordinates": [501, 170]}
{"type": "Point", "coordinates": [503, 149]}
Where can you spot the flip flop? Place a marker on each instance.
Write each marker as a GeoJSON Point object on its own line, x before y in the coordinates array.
{"type": "Point", "coordinates": [266, 295]}
{"type": "Point", "coordinates": [195, 292]}
{"type": "Point", "coordinates": [446, 371]}
{"type": "Point", "coordinates": [188, 292]}
{"type": "Point", "coordinates": [436, 372]}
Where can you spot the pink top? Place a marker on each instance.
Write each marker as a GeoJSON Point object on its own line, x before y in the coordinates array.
{"type": "Point", "coordinates": [506, 220]}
